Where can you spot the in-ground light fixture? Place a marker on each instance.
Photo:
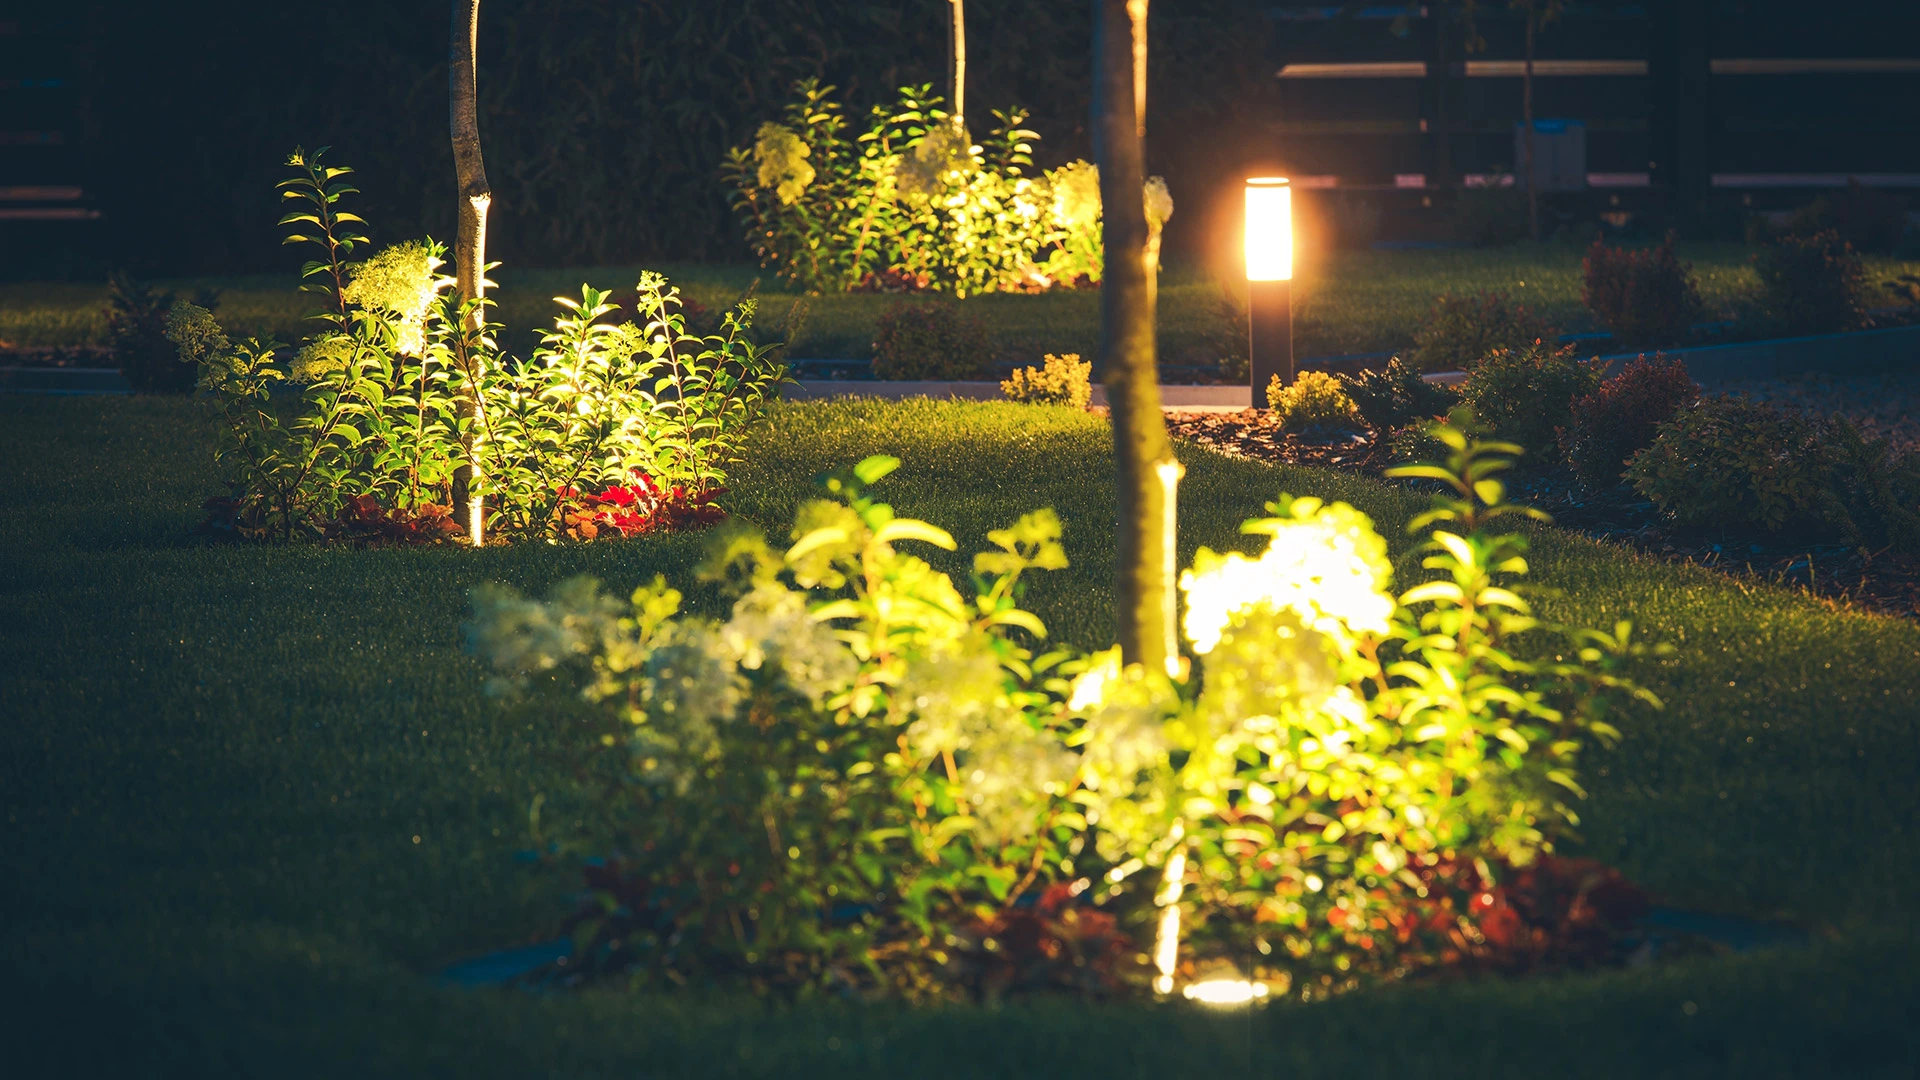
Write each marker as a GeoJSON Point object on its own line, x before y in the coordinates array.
{"type": "Point", "coordinates": [1269, 240]}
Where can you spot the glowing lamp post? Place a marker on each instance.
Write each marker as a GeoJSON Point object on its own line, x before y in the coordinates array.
{"type": "Point", "coordinates": [1269, 240]}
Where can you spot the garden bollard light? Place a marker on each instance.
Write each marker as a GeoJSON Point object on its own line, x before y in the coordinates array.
{"type": "Point", "coordinates": [1269, 241]}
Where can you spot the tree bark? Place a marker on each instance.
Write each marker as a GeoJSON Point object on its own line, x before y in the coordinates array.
{"type": "Point", "coordinates": [957, 51]}
{"type": "Point", "coordinates": [1146, 472]}
{"type": "Point", "coordinates": [1526, 109]}
{"type": "Point", "coordinates": [470, 244]}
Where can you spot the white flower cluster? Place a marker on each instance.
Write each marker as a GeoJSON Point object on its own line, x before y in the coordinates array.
{"type": "Point", "coordinates": [399, 283]}
{"type": "Point", "coordinates": [1326, 565]}
{"type": "Point", "coordinates": [781, 158]}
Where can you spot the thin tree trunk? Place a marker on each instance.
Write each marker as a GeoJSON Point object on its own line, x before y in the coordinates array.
{"type": "Point", "coordinates": [957, 49]}
{"type": "Point", "coordinates": [470, 245]}
{"type": "Point", "coordinates": [1526, 108]}
{"type": "Point", "coordinates": [1147, 474]}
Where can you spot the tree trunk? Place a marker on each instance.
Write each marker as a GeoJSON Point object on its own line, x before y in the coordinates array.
{"type": "Point", "coordinates": [1147, 473]}
{"type": "Point", "coordinates": [470, 245]}
{"type": "Point", "coordinates": [1526, 109]}
{"type": "Point", "coordinates": [957, 51]}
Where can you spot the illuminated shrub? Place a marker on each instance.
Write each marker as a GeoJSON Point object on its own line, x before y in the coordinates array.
{"type": "Point", "coordinates": [1314, 399]}
{"type": "Point", "coordinates": [1461, 331]}
{"type": "Point", "coordinates": [863, 775]}
{"type": "Point", "coordinates": [1526, 395]}
{"type": "Point", "coordinates": [1064, 380]}
{"type": "Point", "coordinates": [1619, 418]}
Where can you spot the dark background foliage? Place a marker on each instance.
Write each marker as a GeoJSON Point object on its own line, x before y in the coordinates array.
{"type": "Point", "coordinates": [604, 121]}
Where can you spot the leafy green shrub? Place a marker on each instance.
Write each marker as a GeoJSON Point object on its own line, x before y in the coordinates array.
{"type": "Point", "coordinates": [914, 199]}
{"type": "Point", "coordinates": [1313, 399]}
{"type": "Point", "coordinates": [606, 429]}
{"type": "Point", "coordinates": [1730, 463]}
{"type": "Point", "coordinates": [1395, 396]}
{"type": "Point", "coordinates": [1526, 395]}
{"type": "Point", "coordinates": [1644, 297]}
{"type": "Point", "coordinates": [1811, 284]}
{"type": "Point", "coordinates": [1065, 380]}
{"type": "Point", "coordinates": [929, 341]}
{"type": "Point", "coordinates": [1619, 418]}
{"type": "Point", "coordinates": [1461, 330]}
{"type": "Point", "coordinates": [864, 776]}
{"type": "Point", "coordinates": [137, 336]}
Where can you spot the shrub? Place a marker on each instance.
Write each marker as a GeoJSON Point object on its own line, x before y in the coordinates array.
{"type": "Point", "coordinates": [1645, 297]}
{"type": "Point", "coordinates": [1491, 215]}
{"type": "Point", "coordinates": [1619, 418]}
{"type": "Point", "coordinates": [1728, 462]}
{"type": "Point", "coordinates": [929, 341]}
{"type": "Point", "coordinates": [1461, 330]}
{"type": "Point", "coordinates": [1395, 396]}
{"type": "Point", "coordinates": [137, 337]}
{"type": "Point", "coordinates": [1526, 395]}
{"type": "Point", "coordinates": [1811, 284]}
{"type": "Point", "coordinates": [1867, 218]}
{"type": "Point", "coordinates": [869, 778]}
{"type": "Point", "coordinates": [1065, 380]}
{"type": "Point", "coordinates": [608, 429]}
{"type": "Point", "coordinates": [1314, 399]}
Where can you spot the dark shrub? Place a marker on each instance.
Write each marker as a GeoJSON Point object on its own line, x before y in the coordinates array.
{"type": "Point", "coordinates": [1869, 219]}
{"type": "Point", "coordinates": [137, 337]}
{"type": "Point", "coordinates": [1732, 463]}
{"type": "Point", "coordinates": [929, 341]}
{"type": "Point", "coordinates": [1460, 330]}
{"type": "Point", "coordinates": [1619, 418]}
{"type": "Point", "coordinates": [1645, 296]}
{"type": "Point", "coordinates": [1526, 395]}
{"type": "Point", "coordinates": [1811, 284]}
{"type": "Point", "coordinates": [1395, 396]}
{"type": "Point", "coordinates": [1490, 216]}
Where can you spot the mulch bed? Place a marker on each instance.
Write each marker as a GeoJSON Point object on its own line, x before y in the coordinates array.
{"type": "Point", "coordinates": [1880, 581]}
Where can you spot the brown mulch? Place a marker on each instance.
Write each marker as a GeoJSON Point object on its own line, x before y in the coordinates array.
{"type": "Point", "coordinates": [1885, 582]}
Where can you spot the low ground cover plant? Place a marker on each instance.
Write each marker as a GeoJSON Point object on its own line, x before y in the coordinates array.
{"type": "Point", "coordinates": [1526, 395]}
{"type": "Point", "coordinates": [1061, 380]}
{"type": "Point", "coordinates": [1643, 297]}
{"type": "Point", "coordinates": [1811, 284]}
{"type": "Point", "coordinates": [869, 779]}
{"type": "Point", "coordinates": [1314, 399]}
{"type": "Point", "coordinates": [913, 202]}
{"type": "Point", "coordinates": [1619, 418]}
{"type": "Point", "coordinates": [607, 429]}
{"type": "Point", "coordinates": [1730, 463]}
{"type": "Point", "coordinates": [1395, 396]}
{"type": "Point", "coordinates": [1461, 330]}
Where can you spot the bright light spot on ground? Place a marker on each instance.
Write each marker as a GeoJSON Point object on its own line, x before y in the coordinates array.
{"type": "Point", "coordinates": [1225, 991]}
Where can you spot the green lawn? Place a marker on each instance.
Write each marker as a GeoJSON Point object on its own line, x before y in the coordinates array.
{"type": "Point", "coordinates": [254, 796]}
{"type": "Point", "coordinates": [1350, 302]}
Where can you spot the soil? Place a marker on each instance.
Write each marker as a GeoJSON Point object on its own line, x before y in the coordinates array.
{"type": "Point", "coordinates": [1881, 581]}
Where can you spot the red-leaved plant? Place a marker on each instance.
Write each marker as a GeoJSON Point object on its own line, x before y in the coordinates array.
{"type": "Point", "coordinates": [1644, 296]}
{"type": "Point", "coordinates": [1620, 418]}
{"type": "Point", "coordinates": [636, 509]}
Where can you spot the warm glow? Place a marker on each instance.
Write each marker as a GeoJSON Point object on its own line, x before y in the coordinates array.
{"type": "Point", "coordinates": [1269, 229]}
{"type": "Point", "coordinates": [1225, 991]}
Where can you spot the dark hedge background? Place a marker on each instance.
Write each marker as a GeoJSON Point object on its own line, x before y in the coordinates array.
{"type": "Point", "coordinates": [604, 121]}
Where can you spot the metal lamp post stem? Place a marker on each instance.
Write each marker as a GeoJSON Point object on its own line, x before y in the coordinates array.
{"type": "Point", "coordinates": [1270, 335]}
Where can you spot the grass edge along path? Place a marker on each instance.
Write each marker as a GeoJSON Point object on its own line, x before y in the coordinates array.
{"type": "Point", "coordinates": [255, 794]}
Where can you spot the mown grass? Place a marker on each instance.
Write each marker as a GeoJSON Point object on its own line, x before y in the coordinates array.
{"type": "Point", "coordinates": [1346, 302]}
{"type": "Point", "coordinates": [255, 796]}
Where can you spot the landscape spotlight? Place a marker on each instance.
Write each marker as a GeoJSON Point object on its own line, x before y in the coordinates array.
{"type": "Point", "coordinates": [1269, 239]}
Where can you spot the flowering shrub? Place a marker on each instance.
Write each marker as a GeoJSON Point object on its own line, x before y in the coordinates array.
{"type": "Point", "coordinates": [1460, 331]}
{"type": "Point", "coordinates": [1811, 284]}
{"type": "Point", "coordinates": [1619, 418]}
{"type": "Point", "coordinates": [1732, 463]}
{"type": "Point", "coordinates": [929, 341]}
{"type": "Point", "coordinates": [867, 778]}
{"type": "Point", "coordinates": [1526, 395]}
{"type": "Point", "coordinates": [1644, 297]}
{"type": "Point", "coordinates": [913, 199]}
{"type": "Point", "coordinates": [1313, 399]}
{"type": "Point", "coordinates": [600, 412]}
{"type": "Point", "coordinates": [1065, 380]}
